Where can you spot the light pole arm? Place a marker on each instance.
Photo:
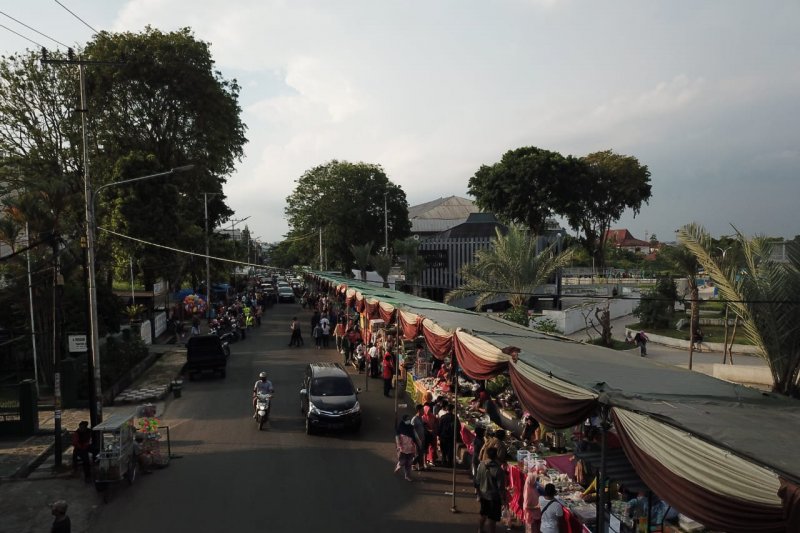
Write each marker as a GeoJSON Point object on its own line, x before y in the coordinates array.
{"type": "Point", "coordinates": [170, 172]}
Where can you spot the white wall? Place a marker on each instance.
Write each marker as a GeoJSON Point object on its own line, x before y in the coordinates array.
{"type": "Point", "coordinates": [571, 320]}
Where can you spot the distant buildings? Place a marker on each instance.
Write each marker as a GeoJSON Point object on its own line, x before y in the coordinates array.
{"type": "Point", "coordinates": [622, 239]}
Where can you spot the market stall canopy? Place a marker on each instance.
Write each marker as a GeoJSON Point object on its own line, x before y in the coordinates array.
{"type": "Point", "coordinates": [562, 382]}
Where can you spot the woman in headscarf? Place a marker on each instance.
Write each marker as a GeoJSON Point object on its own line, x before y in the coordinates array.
{"type": "Point", "coordinates": [431, 427]}
{"type": "Point", "coordinates": [406, 446]}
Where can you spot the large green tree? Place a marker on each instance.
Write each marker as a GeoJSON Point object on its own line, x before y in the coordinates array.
{"type": "Point", "coordinates": [158, 104]}
{"type": "Point", "coordinates": [510, 267]}
{"type": "Point", "coordinates": [346, 200]}
{"type": "Point", "coordinates": [526, 186]}
{"type": "Point", "coordinates": [598, 195]}
{"type": "Point", "coordinates": [764, 295]}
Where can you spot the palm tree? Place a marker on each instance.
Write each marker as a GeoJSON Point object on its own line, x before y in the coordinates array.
{"type": "Point", "coordinates": [511, 267]}
{"type": "Point", "coordinates": [687, 264]}
{"type": "Point", "coordinates": [361, 255]}
{"type": "Point", "coordinates": [763, 294]}
{"type": "Point", "coordinates": [383, 265]}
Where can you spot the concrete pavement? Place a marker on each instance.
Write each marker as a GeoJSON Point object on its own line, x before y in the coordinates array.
{"type": "Point", "coordinates": [701, 361]}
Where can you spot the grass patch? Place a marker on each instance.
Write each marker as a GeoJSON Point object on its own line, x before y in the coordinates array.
{"type": "Point", "coordinates": [710, 333]}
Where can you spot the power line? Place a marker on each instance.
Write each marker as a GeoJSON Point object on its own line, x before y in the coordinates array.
{"type": "Point", "coordinates": [34, 30]}
{"type": "Point", "coordinates": [18, 33]}
{"type": "Point", "coordinates": [76, 16]}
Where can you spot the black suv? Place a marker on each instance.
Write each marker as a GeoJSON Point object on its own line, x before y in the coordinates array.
{"type": "Point", "coordinates": [328, 398]}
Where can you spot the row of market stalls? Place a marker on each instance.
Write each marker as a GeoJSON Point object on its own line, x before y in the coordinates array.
{"type": "Point", "coordinates": [726, 455]}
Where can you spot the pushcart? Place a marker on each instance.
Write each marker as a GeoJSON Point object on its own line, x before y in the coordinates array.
{"type": "Point", "coordinates": [116, 460]}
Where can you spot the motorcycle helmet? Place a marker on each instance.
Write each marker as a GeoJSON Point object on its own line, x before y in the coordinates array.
{"type": "Point", "coordinates": [262, 375]}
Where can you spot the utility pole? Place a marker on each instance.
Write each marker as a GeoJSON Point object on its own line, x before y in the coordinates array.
{"type": "Point", "coordinates": [320, 248]}
{"type": "Point", "coordinates": [96, 393]}
{"type": "Point", "coordinates": [58, 285]}
{"type": "Point", "coordinates": [385, 225]}
{"type": "Point", "coordinates": [30, 301]}
{"type": "Point", "coordinates": [208, 263]}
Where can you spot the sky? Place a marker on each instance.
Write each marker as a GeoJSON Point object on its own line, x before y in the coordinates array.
{"type": "Point", "coordinates": [705, 93]}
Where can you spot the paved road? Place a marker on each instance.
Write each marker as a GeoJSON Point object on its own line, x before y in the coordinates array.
{"type": "Point", "coordinates": [234, 478]}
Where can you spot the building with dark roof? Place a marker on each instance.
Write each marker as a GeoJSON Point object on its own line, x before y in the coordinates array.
{"type": "Point", "coordinates": [440, 215]}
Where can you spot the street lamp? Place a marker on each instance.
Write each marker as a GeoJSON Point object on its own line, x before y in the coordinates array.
{"type": "Point", "coordinates": [233, 236]}
{"type": "Point", "coordinates": [96, 391]}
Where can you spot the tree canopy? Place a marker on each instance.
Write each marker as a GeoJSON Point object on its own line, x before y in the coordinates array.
{"type": "Point", "coordinates": [527, 186]}
{"type": "Point", "coordinates": [530, 185]}
{"type": "Point", "coordinates": [763, 294]}
{"type": "Point", "coordinates": [510, 267]}
{"type": "Point", "coordinates": [346, 200]}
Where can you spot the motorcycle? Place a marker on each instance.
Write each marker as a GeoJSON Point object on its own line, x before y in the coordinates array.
{"type": "Point", "coordinates": [263, 401]}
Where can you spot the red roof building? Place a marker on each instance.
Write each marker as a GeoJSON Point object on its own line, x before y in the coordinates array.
{"type": "Point", "coordinates": [622, 238]}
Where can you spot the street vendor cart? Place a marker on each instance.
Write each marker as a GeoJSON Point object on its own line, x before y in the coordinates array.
{"type": "Point", "coordinates": [116, 459]}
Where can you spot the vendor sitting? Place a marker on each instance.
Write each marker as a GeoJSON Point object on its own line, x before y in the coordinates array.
{"type": "Point", "coordinates": [480, 400]}
{"type": "Point", "coordinates": [143, 457]}
{"type": "Point", "coordinates": [444, 372]}
{"type": "Point", "coordinates": [530, 430]}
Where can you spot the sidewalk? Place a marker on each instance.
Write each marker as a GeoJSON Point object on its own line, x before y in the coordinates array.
{"type": "Point", "coordinates": [33, 456]}
{"type": "Point", "coordinates": [701, 362]}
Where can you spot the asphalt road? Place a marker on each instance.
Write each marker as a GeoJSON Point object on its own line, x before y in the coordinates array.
{"type": "Point", "coordinates": [231, 477]}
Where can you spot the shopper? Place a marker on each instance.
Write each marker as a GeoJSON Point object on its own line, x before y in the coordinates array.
{"type": "Point", "coordinates": [61, 523]}
{"type": "Point", "coordinates": [490, 482]}
{"type": "Point", "coordinates": [551, 510]}
{"type": "Point", "coordinates": [406, 447]}
{"type": "Point", "coordinates": [388, 373]}
{"type": "Point", "coordinates": [419, 433]}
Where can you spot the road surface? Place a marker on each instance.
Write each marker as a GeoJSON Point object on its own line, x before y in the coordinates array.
{"type": "Point", "coordinates": [231, 477]}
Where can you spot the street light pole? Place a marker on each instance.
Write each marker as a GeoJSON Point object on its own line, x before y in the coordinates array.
{"type": "Point", "coordinates": [233, 236]}
{"type": "Point", "coordinates": [96, 392]}
{"type": "Point", "coordinates": [385, 225]}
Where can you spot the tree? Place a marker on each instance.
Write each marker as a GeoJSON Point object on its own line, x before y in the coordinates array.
{"type": "Point", "coordinates": [525, 187]}
{"type": "Point", "coordinates": [362, 254]}
{"type": "Point", "coordinates": [597, 196]}
{"type": "Point", "coordinates": [763, 294]}
{"type": "Point", "coordinates": [383, 266]}
{"type": "Point", "coordinates": [164, 106]}
{"type": "Point", "coordinates": [509, 267]}
{"type": "Point", "coordinates": [657, 307]}
{"type": "Point", "coordinates": [687, 265]}
{"type": "Point", "coordinates": [346, 200]}
{"type": "Point", "coordinates": [413, 265]}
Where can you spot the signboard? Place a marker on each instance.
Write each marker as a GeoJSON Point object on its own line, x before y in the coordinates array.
{"type": "Point", "coordinates": [435, 258]}
{"type": "Point", "coordinates": [159, 287]}
{"type": "Point", "coordinates": [77, 343]}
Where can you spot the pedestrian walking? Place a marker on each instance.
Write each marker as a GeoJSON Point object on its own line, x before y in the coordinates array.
{"type": "Point", "coordinates": [490, 483]}
{"type": "Point", "coordinates": [195, 325]}
{"type": "Point", "coordinates": [326, 332]}
{"type": "Point", "coordinates": [641, 341]}
{"type": "Point", "coordinates": [294, 327]}
{"type": "Point", "coordinates": [406, 447]}
{"type": "Point", "coordinates": [317, 334]}
{"type": "Point", "coordinates": [419, 433]}
{"type": "Point", "coordinates": [61, 523]}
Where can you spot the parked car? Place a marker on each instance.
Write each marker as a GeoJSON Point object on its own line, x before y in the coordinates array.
{"type": "Point", "coordinates": [285, 294]}
{"type": "Point", "coordinates": [206, 353]}
{"type": "Point", "coordinates": [328, 398]}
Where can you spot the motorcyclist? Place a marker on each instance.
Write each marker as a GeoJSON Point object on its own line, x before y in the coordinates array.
{"type": "Point", "coordinates": [263, 386]}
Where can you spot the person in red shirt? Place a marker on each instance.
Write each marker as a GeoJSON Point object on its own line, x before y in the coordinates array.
{"type": "Point", "coordinates": [81, 443]}
{"type": "Point", "coordinates": [388, 373]}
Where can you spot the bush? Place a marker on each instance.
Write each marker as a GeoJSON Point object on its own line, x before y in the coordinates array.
{"type": "Point", "coordinates": [546, 325]}
{"type": "Point", "coordinates": [118, 357]}
{"type": "Point", "coordinates": [656, 308]}
{"type": "Point", "coordinates": [517, 315]}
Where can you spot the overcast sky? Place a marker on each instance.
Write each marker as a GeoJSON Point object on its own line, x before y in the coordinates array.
{"type": "Point", "coordinates": [704, 93]}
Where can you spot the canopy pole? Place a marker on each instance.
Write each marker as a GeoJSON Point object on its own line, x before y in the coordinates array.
{"type": "Point", "coordinates": [605, 425]}
{"type": "Point", "coordinates": [454, 369]}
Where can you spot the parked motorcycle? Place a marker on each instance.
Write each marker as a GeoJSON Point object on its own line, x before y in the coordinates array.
{"type": "Point", "coordinates": [263, 402]}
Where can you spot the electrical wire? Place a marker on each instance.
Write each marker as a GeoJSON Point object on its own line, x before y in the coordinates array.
{"type": "Point", "coordinates": [19, 34]}
{"type": "Point", "coordinates": [178, 250]}
{"type": "Point", "coordinates": [34, 30]}
{"type": "Point", "coordinates": [76, 16]}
